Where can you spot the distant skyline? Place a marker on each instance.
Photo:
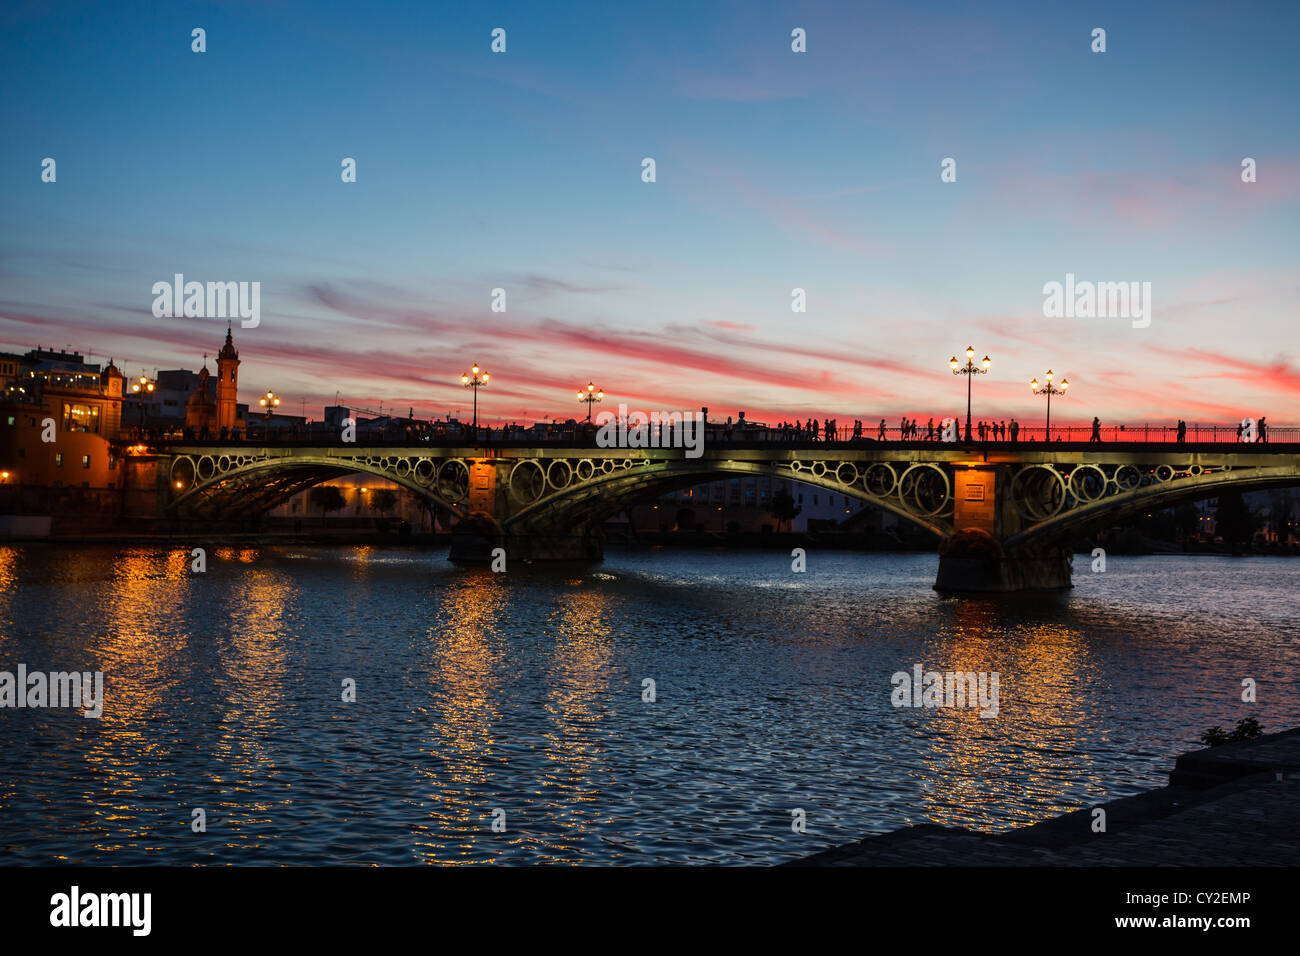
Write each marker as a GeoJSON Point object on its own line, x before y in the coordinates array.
{"type": "Point", "coordinates": [775, 170]}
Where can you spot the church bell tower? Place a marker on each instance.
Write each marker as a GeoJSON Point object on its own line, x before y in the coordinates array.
{"type": "Point", "coordinates": [227, 383]}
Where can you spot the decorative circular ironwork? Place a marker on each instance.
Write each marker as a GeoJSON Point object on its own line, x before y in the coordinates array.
{"type": "Point", "coordinates": [1088, 483]}
{"type": "Point", "coordinates": [849, 477]}
{"type": "Point", "coordinates": [1196, 471]}
{"type": "Point", "coordinates": [223, 464]}
{"type": "Point", "coordinates": [880, 479]}
{"type": "Point", "coordinates": [452, 480]}
{"type": "Point", "coordinates": [796, 465]}
{"type": "Point", "coordinates": [818, 469]}
{"type": "Point", "coordinates": [559, 473]}
{"type": "Point", "coordinates": [1038, 492]}
{"type": "Point", "coordinates": [182, 470]}
{"type": "Point", "coordinates": [206, 468]}
{"type": "Point", "coordinates": [924, 489]}
{"type": "Point", "coordinates": [586, 468]}
{"type": "Point", "coordinates": [424, 470]}
{"type": "Point", "coordinates": [402, 467]}
{"type": "Point", "coordinates": [1163, 473]}
{"type": "Point", "coordinates": [527, 481]}
{"type": "Point", "coordinates": [607, 465]}
{"type": "Point", "coordinates": [1126, 478]}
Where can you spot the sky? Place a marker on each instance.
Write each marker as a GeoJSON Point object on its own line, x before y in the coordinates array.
{"type": "Point", "coordinates": [774, 170]}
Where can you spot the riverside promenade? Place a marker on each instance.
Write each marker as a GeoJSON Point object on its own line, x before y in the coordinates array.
{"type": "Point", "coordinates": [1237, 804]}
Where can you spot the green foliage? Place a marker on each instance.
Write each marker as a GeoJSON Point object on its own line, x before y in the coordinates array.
{"type": "Point", "coordinates": [1233, 519]}
{"type": "Point", "coordinates": [1247, 729]}
{"type": "Point", "coordinates": [327, 498]}
{"type": "Point", "coordinates": [383, 500]}
{"type": "Point", "coordinates": [783, 508]}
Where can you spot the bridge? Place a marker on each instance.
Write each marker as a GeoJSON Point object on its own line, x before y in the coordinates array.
{"type": "Point", "coordinates": [1005, 513]}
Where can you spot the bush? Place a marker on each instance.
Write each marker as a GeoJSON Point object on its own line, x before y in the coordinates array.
{"type": "Point", "coordinates": [1248, 728]}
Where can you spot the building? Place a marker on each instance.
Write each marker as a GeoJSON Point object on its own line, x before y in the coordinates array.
{"type": "Point", "coordinates": [65, 423]}
{"type": "Point", "coordinates": [741, 504]}
{"type": "Point", "coordinates": [59, 418]}
{"type": "Point", "coordinates": [211, 411]}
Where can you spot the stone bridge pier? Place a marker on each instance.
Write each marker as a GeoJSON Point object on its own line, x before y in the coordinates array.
{"type": "Point", "coordinates": [976, 557]}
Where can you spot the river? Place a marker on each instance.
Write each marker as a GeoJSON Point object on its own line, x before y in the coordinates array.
{"type": "Point", "coordinates": [523, 693]}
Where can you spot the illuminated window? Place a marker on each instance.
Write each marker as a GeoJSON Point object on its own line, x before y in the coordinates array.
{"type": "Point", "coordinates": [58, 459]}
{"type": "Point", "coordinates": [81, 418]}
{"type": "Point", "coordinates": [85, 461]}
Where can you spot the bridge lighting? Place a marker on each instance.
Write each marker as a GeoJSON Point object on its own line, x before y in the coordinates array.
{"type": "Point", "coordinates": [591, 396]}
{"type": "Point", "coordinates": [970, 369]}
{"type": "Point", "coordinates": [140, 388]}
{"type": "Point", "coordinates": [475, 379]}
{"type": "Point", "coordinates": [1049, 390]}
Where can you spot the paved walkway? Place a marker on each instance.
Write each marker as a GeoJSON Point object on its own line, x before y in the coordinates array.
{"type": "Point", "coordinates": [1225, 806]}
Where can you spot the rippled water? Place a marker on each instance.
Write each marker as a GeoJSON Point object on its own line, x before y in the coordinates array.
{"type": "Point", "coordinates": [523, 692]}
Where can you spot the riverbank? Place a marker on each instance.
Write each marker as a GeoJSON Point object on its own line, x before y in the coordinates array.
{"type": "Point", "coordinates": [1237, 804]}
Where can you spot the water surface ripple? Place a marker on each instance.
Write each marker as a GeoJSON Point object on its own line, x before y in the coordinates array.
{"type": "Point", "coordinates": [523, 692]}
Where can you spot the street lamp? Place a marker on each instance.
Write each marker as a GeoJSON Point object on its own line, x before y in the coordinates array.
{"type": "Point", "coordinates": [270, 401]}
{"type": "Point", "coordinates": [140, 388]}
{"type": "Point", "coordinates": [475, 379]}
{"type": "Point", "coordinates": [970, 369]}
{"type": "Point", "coordinates": [1049, 390]}
{"type": "Point", "coordinates": [591, 396]}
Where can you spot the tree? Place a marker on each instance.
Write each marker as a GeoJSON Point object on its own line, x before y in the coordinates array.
{"type": "Point", "coordinates": [1186, 519]}
{"type": "Point", "coordinates": [1279, 514]}
{"type": "Point", "coordinates": [783, 508]}
{"type": "Point", "coordinates": [383, 500]}
{"type": "Point", "coordinates": [327, 498]}
{"type": "Point", "coordinates": [1248, 728]}
{"type": "Point", "coordinates": [1233, 520]}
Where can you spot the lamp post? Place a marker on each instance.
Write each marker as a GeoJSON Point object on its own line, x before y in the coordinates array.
{"type": "Point", "coordinates": [475, 378]}
{"type": "Point", "coordinates": [1049, 390]}
{"type": "Point", "coordinates": [140, 388]}
{"type": "Point", "coordinates": [970, 369]}
{"type": "Point", "coordinates": [591, 396]}
{"type": "Point", "coordinates": [269, 401]}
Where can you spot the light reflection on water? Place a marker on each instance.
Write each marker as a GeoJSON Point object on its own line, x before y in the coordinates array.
{"type": "Point", "coordinates": [523, 693]}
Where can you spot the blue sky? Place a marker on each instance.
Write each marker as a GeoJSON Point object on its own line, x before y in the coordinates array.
{"type": "Point", "coordinates": [775, 170]}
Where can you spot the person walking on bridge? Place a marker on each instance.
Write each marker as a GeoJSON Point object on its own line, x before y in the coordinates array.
{"type": "Point", "coordinates": [1182, 432]}
{"type": "Point", "coordinates": [881, 434]}
{"type": "Point", "coordinates": [1096, 429]}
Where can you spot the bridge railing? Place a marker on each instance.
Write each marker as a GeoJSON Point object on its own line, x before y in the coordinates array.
{"type": "Point", "coordinates": [716, 434]}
